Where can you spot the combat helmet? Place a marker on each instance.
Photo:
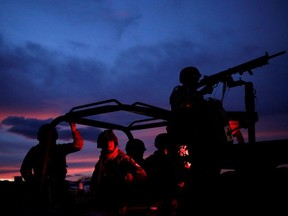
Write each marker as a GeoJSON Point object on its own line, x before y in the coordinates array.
{"type": "Point", "coordinates": [46, 132]}
{"type": "Point", "coordinates": [135, 145]}
{"type": "Point", "coordinates": [189, 76]}
{"type": "Point", "coordinates": [105, 136]}
{"type": "Point", "coordinates": [162, 141]}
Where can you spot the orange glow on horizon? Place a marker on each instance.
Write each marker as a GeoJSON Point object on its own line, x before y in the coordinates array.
{"type": "Point", "coordinates": [80, 171]}
{"type": "Point", "coordinates": [271, 135]}
{"type": "Point", "coordinates": [9, 176]}
{"type": "Point", "coordinates": [71, 173]}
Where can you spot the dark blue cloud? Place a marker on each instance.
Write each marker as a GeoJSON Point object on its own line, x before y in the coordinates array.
{"type": "Point", "coordinates": [31, 74]}
{"type": "Point", "coordinates": [28, 128]}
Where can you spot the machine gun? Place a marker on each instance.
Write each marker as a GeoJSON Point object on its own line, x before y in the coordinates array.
{"type": "Point", "coordinates": [248, 118]}
{"type": "Point", "coordinates": [226, 75]}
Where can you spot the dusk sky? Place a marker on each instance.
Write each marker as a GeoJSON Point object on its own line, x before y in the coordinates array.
{"type": "Point", "coordinates": [55, 55]}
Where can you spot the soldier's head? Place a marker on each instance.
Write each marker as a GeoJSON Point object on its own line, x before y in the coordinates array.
{"type": "Point", "coordinates": [107, 140]}
{"type": "Point", "coordinates": [47, 133]}
{"type": "Point", "coordinates": [162, 142]}
{"type": "Point", "coordinates": [135, 146]}
{"type": "Point", "coordinates": [189, 76]}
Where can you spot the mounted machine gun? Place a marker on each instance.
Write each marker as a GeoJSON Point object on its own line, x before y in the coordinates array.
{"type": "Point", "coordinates": [250, 117]}
{"type": "Point", "coordinates": [226, 75]}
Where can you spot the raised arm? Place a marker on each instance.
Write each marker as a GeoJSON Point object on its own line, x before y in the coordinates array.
{"type": "Point", "coordinates": [78, 140]}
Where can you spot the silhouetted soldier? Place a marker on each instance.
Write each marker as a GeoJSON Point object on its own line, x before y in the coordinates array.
{"type": "Point", "coordinates": [162, 187]}
{"type": "Point", "coordinates": [113, 175]}
{"type": "Point", "coordinates": [199, 129]}
{"type": "Point", "coordinates": [136, 149]}
{"type": "Point", "coordinates": [44, 168]}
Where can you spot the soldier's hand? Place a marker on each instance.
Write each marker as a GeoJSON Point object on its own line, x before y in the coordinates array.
{"type": "Point", "coordinates": [129, 178]}
{"type": "Point", "coordinates": [73, 126]}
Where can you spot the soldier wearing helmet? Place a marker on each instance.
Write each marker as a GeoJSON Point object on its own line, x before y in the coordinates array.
{"type": "Point", "coordinates": [198, 129]}
{"type": "Point", "coordinates": [162, 142]}
{"type": "Point", "coordinates": [44, 167]}
{"type": "Point", "coordinates": [186, 96]}
{"type": "Point", "coordinates": [47, 131]}
{"type": "Point", "coordinates": [189, 76]}
{"type": "Point", "coordinates": [161, 182]}
{"type": "Point", "coordinates": [113, 174]}
{"type": "Point", "coordinates": [136, 148]}
{"type": "Point", "coordinates": [104, 138]}
{"type": "Point", "coordinates": [49, 155]}
{"type": "Point", "coordinates": [185, 102]}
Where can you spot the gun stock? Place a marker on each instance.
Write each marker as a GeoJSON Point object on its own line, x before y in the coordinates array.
{"type": "Point", "coordinates": [226, 75]}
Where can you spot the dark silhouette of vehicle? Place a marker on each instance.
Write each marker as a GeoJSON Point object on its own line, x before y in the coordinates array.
{"type": "Point", "coordinates": [246, 157]}
{"type": "Point", "coordinates": [148, 116]}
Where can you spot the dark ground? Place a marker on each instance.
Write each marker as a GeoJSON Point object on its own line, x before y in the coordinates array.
{"type": "Point", "coordinates": [236, 194]}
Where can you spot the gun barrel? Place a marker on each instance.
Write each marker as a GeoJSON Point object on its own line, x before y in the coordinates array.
{"type": "Point", "coordinates": [277, 54]}
{"type": "Point", "coordinates": [225, 75]}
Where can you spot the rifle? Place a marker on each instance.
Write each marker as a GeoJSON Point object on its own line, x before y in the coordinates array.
{"type": "Point", "coordinates": [226, 75]}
